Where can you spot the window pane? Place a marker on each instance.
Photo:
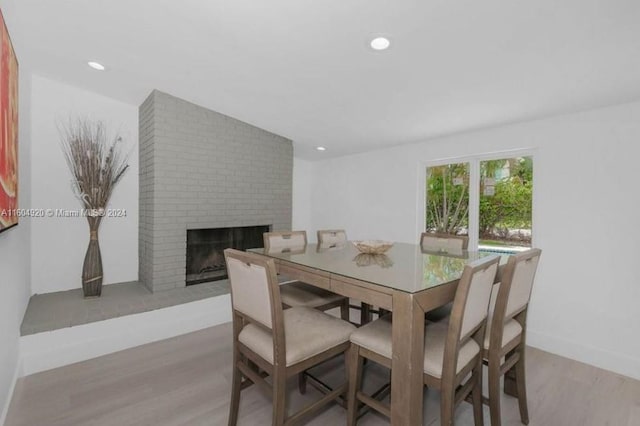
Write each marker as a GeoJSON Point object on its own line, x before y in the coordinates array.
{"type": "Point", "coordinates": [447, 206]}
{"type": "Point", "coordinates": [506, 188]}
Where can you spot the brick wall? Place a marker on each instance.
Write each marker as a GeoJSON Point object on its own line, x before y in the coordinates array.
{"type": "Point", "coordinates": [202, 169]}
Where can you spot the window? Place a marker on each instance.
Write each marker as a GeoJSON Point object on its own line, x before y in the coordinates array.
{"type": "Point", "coordinates": [490, 199]}
{"type": "Point", "coordinates": [448, 198]}
{"type": "Point", "coordinates": [505, 208]}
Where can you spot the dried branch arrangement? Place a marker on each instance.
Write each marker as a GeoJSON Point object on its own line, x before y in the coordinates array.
{"type": "Point", "coordinates": [97, 163]}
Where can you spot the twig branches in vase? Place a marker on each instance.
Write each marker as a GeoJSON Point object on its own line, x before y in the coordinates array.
{"type": "Point", "coordinates": [97, 163]}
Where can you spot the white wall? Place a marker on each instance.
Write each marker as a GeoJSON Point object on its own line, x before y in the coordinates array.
{"type": "Point", "coordinates": [53, 349]}
{"type": "Point", "coordinates": [15, 262]}
{"type": "Point", "coordinates": [59, 244]}
{"type": "Point", "coordinates": [301, 197]}
{"type": "Point", "coordinates": [585, 301]}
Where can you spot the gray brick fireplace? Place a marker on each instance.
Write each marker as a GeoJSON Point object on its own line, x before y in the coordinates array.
{"type": "Point", "coordinates": [201, 170]}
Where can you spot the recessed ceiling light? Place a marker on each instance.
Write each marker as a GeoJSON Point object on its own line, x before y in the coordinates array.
{"type": "Point", "coordinates": [321, 148]}
{"type": "Point", "coordinates": [96, 65]}
{"type": "Point", "coordinates": [380, 43]}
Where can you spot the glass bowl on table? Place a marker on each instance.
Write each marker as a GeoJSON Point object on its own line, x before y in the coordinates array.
{"type": "Point", "coordinates": [373, 246]}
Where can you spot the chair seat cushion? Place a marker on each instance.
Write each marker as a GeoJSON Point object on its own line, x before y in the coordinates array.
{"type": "Point", "coordinates": [301, 294]}
{"type": "Point", "coordinates": [307, 332]}
{"type": "Point", "coordinates": [376, 336]}
{"type": "Point", "coordinates": [512, 329]}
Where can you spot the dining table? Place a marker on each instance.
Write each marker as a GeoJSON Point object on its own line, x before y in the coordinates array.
{"type": "Point", "coordinates": [407, 280]}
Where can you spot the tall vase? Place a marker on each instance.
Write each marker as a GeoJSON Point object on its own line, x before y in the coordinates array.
{"type": "Point", "coordinates": [92, 267]}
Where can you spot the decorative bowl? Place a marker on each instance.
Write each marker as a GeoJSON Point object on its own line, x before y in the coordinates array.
{"type": "Point", "coordinates": [373, 246]}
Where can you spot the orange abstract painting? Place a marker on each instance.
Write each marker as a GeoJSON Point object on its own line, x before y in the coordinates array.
{"type": "Point", "coordinates": [8, 131]}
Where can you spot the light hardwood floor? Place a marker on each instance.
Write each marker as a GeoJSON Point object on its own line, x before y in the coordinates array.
{"type": "Point", "coordinates": [186, 381]}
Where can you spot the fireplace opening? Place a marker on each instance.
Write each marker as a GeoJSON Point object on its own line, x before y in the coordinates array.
{"type": "Point", "coordinates": [205, 250]}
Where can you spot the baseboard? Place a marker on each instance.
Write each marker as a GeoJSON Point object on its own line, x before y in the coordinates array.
{"type": "Point", "coordinates": [607, 360]}
{"type": "Point", "coordinates": [16, 375]}
{"type": "Point", "coordinates": [44, 351]}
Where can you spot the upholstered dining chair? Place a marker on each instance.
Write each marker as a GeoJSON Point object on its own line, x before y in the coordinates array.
{"type": "Point", "coordinates": [284, 240]}
{"type": "Point", "coordinates": [297, 293]}
{"type": "Point", "coordinates": [505, 338]}
{"type": "Point", "coordinates": [280, 342]}
{"type": "Point", "coordinates": [331, 237]}
{"type": "Point", "coordinates": [452, 353]}
{"type": "Point", "coordinates": [444, 243]}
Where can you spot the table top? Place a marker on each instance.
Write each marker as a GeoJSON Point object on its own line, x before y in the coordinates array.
{"type": "Point", "coordinates": [405, 267]}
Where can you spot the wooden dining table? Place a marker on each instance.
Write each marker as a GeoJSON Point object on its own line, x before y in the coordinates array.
{"type": "Point", "coordinates": [406, 280]}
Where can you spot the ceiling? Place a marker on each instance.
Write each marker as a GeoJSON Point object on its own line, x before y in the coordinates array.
{"type": "Point", "coordinates": [303, 69]}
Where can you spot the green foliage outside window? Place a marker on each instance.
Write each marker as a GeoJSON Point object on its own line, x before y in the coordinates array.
{"type": "Point", "coordinates": [508, 209]}
{"type": "Point", "coordinates": [448, 198]}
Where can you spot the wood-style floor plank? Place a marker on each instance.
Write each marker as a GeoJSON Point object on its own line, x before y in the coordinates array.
{"type": "Point", "coordinates": [186, 381]}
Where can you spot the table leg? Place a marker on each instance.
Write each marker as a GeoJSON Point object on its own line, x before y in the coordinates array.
{"type": "Point", "coordinates": [407, 361]}
{"type": "Point", "coordinates": [365, 313]}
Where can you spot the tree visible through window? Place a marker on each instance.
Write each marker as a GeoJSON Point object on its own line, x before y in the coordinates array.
{"type": "Point", "coordinates": [448, 198]}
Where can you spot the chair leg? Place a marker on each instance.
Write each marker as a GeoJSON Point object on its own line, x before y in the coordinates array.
{"type": "Point", "coordinates": [510, 387]}
{"type": "Point", "coordinates": [279, 397]}
{"type": "Point", "coordinates": [447, 404]}
{"type": "Point", "coordinates": [522, 387]}
{"type": "Point", "coordinates": [494, 390]}
{"type": "Point", "coordinates": [344, 310]}
{"type": "Point", "coordinates": [302, 383]}
{"type": "Point", "coordinates": [476, 395]}
{"type": "Point", "coordinates": [447, 401]}
{"type": "Point", "coordinates": [354, 374]}
{"type": "Point", "coordinates": [365, 314]}
{"type": "Point", "coordinates": [234, 405]}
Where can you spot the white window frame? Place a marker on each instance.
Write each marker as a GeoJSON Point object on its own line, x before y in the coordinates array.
{"type": "Point", "coordinates": [474, 189]}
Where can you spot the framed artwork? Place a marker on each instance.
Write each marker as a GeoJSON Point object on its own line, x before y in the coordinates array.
{"type": "Point", "coordinates": [8, 131]}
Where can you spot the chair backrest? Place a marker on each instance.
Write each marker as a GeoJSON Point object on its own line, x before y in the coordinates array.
{"type": "Point", "coordinates": [444, 242]}
{"type": "Point", "coordinates": [511, 298]}
{"type": "Point", "coordinates": [331, 237]}
{"type": "Point", "coordinates": [254, 287]}
{"type": "Point", "coordinates": [470, 308]}
{"type": "Point", "coordinates": [292, 240]}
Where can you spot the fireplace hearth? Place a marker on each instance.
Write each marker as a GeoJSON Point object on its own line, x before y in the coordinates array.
{"type": "Point", "coordinates": [205, 250]}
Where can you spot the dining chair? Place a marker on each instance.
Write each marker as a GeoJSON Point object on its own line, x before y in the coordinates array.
{"type": "Point", "coordinates": [442, 243]}
{"type": "Point", "coordinates": [331, 237]}
{"type": "Point", "coordinates": [297, 293]}
{"type": "Point", "coordinates": [294, 293]}
{"type": "Point", "coordinates": [452, 353]}
{"type": "Point", "coordinates": [505, 338]}
{"type": "Point", "coordinates": [280, 342]}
